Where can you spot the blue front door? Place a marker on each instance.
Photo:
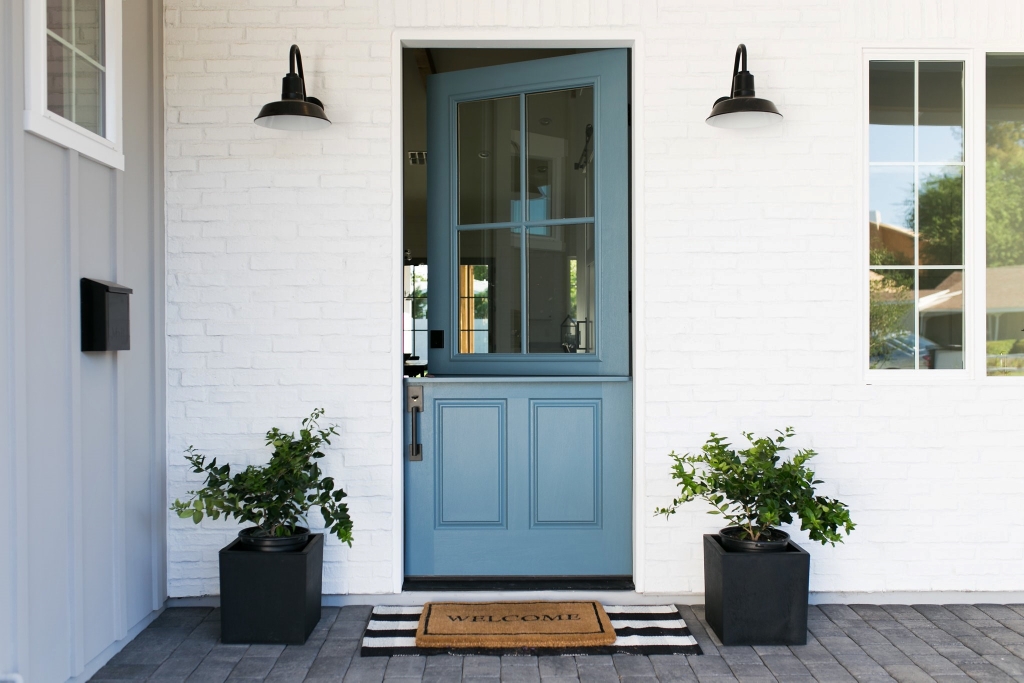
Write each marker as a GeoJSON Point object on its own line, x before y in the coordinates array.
{"type": "Point", "coordinates": [526, 424]}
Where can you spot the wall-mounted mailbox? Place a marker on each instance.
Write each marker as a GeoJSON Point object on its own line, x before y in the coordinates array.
{"type": "Point", "coordinates": [104, 316]}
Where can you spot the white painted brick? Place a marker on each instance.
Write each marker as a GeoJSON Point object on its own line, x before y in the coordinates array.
{"type": "Point", "coordinates": [280, 271]}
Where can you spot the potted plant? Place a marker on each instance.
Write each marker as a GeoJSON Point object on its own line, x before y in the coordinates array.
{"type": "Point", "coordinates": [755, 577]}
{"type": "Point", "coordinates": [270, 576]}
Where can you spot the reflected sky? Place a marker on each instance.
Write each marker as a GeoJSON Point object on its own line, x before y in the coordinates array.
{"type": "Point", "coordinates": [892, 195]}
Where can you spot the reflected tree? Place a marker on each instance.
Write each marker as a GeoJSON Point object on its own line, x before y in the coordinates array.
{"type": "Point", "coordinates": [1004, 199]}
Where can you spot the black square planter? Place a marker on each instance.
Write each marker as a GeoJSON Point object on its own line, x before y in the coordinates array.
{"type": "Point", "coordinates": [756, 598]}
{"type": "Point", "coordinates": [270, 597]}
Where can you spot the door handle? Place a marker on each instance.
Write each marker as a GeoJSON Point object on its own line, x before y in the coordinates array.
{"type": "Point", "coordinates": [414, 404]}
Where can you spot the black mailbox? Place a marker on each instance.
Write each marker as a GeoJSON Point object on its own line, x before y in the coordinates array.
{"type": "Point", "coordinates": [104, 316]}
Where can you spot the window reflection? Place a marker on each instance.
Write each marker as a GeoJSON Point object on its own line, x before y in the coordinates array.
{"type": "Point", "coordinates": [891, 216]}
{"type": "Point", "coordinates": [916, 215]}
{"type": "Point", "coordinates": [940, 135]}
{"type": "Point", "coordinates": [1004, 180]}
{"type": "Point", "coordinates": [891, 111]}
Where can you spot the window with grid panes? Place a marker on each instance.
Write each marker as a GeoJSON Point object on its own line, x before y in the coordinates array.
{"type": "Point", "coordinates": [916, 215]}
{"type": "Point", "coordinates": [75, 63]}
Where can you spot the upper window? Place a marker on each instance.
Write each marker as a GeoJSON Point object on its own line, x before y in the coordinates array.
{"type": "Point", "coordinates": [75, 71]}
{"type": "Point", "coordinates": [72, 76]}
{"type": "Point", "coordinates": [916, 215]}
{"type": "Point", "coordinates": [1004, 225]}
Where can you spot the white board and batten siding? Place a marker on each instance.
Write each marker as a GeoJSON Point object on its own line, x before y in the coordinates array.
{"type": "Point", "coordinates": [82, 469]}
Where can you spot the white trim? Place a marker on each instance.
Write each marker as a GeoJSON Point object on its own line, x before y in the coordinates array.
{"type": "Point", "coordinates": [973, 284]}
{"type": "Point", "coordinates": [527, 37]}
{"type": "Point", "coordinates": [632, 598]}
{"type": "Point", "coordinates": [107, 149]}
{"type": "Point", "coordinates": [397, 323]}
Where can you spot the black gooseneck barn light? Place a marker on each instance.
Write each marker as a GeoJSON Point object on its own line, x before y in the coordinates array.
{"type": "Point", "coordinates": [295, 110]}
{"type": "Point", "coordinates": [742, 109]}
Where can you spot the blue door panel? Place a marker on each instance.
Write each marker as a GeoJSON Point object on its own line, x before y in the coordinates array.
{"type": "Point", "coordinates": [565, 462]}
{"type": "Point", "coordinates": [562, 506]}
{"type": "Point", "coordinates": [527, 457]}
{"type": "Point", "coordinates": [470, 470]}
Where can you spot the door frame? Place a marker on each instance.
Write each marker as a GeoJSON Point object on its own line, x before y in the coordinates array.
{"type": "Point", "coordinates": [503, 37]}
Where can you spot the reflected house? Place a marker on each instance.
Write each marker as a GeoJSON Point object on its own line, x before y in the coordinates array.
{"type": "Point", "coordinates": [1005, 293]}
{"type": "Point", "coordinates": [891, 238]}
{"type": "Point", "coordinates": [941, 311]}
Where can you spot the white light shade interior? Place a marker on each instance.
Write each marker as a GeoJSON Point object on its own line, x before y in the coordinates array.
{"type": "Point", "coordinates": [744, 119]}
{"type": "Point", "coordinates": [289, 122]}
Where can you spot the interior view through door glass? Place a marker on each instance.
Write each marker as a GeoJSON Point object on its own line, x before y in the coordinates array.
{"type": "Point", "coordinates": [558, 224]}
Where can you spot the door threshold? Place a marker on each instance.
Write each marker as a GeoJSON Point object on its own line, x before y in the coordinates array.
{"type": "Point", "coordinates": [518, 583]}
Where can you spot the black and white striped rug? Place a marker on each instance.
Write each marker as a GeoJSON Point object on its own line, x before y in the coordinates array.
{"type": "Point", "coordinates": [639, 630]}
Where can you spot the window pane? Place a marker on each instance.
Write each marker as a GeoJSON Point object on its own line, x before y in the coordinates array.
{"type": "Point", "coordinates": [560, 140]}
{"type": "Point", "coordinates": [59, 80]}
{"type": "Point", "coordinates": [891, 338]}
{"type": "Point", "coordinates": [88, 96]}
{"type": "Point", "coordinates": [89, 28]}
{"type": "Point", "coordinates": [891, 216]}
{"type": "Point", "coordinates": [490, 298]}
{"type": "Point", "coordinates": [940, 308]}
{"type": "Point", "coordinates": [58, 18]}
{"type": "Point", "coordinates": [560, 267]}
{"type": "Point", "coordinates": [891, 111]}
{"type": "Point", "coordinates": [415, 314]}
{"type": "Point", "coordinates": [941, 111]}
{"type": "Point", "coordinates": [941, 208]}
{"type": "Point", "coordinates": [1004, 180]}
{"type": "Point", "coordinates": [489, 161]}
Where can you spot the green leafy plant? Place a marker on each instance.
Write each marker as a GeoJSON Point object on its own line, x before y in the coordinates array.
{"type": "Point", "coordinates": [757, 490]}
{"type": "Point", "coordinates": [277, 496]}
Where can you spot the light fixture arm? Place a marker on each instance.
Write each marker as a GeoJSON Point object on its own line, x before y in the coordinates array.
{"type": "Point", "coordinates": [741, 54]}
{"type": "Point", "coordinates": [742, 80]}
{"type": "Point", "coordinates": [294, 56]}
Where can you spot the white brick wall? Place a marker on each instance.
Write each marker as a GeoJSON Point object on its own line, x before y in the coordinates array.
{"type": "Point", "coordinates": [280, 272]}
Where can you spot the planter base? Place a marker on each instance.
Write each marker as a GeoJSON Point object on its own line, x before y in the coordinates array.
{"type": "Point", "coordinates": [756, 598]}
{"type": "Point", "coordinates": [270, 597]}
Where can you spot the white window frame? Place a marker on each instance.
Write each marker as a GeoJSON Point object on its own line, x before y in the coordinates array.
{"type": "Point", "coordinates": [974, 219]}
{"type": "Point", "coordinates": [107, 149]}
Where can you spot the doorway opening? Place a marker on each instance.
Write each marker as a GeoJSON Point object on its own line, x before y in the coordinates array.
{"type": "Point", "coordinates": [516, 326]}
{"type": "Point", "coordinates": [475, 310]}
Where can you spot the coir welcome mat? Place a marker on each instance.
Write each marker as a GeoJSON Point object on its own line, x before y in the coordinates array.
{"type": "Point", "coordinates": [639, 629]}
{"type": "Point", "coordinates": [513, 625]}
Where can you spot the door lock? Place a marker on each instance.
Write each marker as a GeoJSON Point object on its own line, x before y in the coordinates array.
{"type": "Point", "coordinates": [414, 404]}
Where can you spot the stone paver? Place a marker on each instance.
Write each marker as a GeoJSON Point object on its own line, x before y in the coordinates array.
{"type": "Point", "coordinates": [845, 644]}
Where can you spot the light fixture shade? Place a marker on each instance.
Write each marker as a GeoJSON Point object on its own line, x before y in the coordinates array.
{"type": "Point", "coordinates": [743, 112]}
{"type": "Point", "coordinates": [292, 115]}
{"type": "Point", "coordinates": [295, 110]}
{"type": "Point", "coordinates": [741, 109]}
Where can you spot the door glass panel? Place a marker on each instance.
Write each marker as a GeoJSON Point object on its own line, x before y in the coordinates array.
{"type": "Point", "coordinates": [940, 135]}
{"type": "Point", "coordinates": [891, 341]}
{"type": "Point", "coordinates": [891, 111]}
{"type": "Point", "coordinates": [891, 215]}
{"type": "Point", "coordinates": [560, 267]}
{"type": "Point", "coordinates": [490, 296]}
{"type": "Point", "coordinates": [488, 151]}
{"type": "Point", "coordinates": [560, 148]}
{"type": "Point", "coordinates": [940, 202]}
